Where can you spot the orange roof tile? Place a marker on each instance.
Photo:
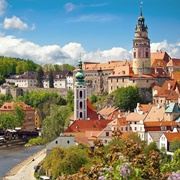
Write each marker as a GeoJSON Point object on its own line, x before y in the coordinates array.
{"type": "Point", "coordinates": [172, 135]}
{"type": "Point", "coordinates": [9, 106]}
{"type": "Point", "coordinates": [135, 117]}
{"type": "Point", "coordinates": [159, 55]}
{"type": "Point", "coordinates": [127, 134]}
{"type": "Point", "coordinates": [175, 75]}
{"type": "Point", "coordinates": [160, 123]}
{"type": "Point", "coordinates": [167, 87]}
{"type": "Point", "coordinates": [82, 140]}
{"type": "Point", "coordinates": [122, 71]}
{"type": "Point", "coordinates": [156, 113]}
{"type": "Point", "coordinates": [173, 62]}
{"type": "Point", "coordinates": [107, 110]}
{"type": "Point", "coordinates": [87, 125]}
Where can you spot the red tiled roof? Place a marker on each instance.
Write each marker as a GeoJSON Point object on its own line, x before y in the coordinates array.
{"type": "Point", "coordinates": [91, 111]}
{"type": "Point", "coordinates": [87, 125]}
{"type": "Point", "coordinates": [168, 87]}
{"type": "Point", "coordinates": [172, 135]}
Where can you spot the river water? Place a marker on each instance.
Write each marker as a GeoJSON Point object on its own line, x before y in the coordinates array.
{"type": "Point", "coordinates": [11, 156]}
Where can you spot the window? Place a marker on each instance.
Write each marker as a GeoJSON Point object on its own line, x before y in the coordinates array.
{"type": "Point", "coordinates": [80, 94]}
{"type": "Point", "coordinates": [105, 141]}
{"type": "Point", "coordinates": [67, 142]}
{"type": "Point", "coordinates": [56, 142]}
{"type": "Point", "coordinates": [107, 133]}
{"type": "Point", "coordinates": [134, 54]}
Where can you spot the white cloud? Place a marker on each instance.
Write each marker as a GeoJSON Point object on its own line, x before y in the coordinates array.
{"type": "Point", "coordinates": [173, 49]}
{"type": "Point", "coordinates": [3, 5]}
{"type": "Point", "coordinates": [69, 7]}
{"type": "Point", "coordinates": [93, 18]}
{"type": "Point", "coordinates": [14, 23]}
{"type": "Point", "coordinates": [70, 53]}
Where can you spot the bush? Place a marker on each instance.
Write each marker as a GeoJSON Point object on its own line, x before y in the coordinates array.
{"type": "Point", "coordinates": [34, 142]}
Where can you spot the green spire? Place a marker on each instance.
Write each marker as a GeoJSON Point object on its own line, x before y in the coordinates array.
{"type": "Point", "coordinates": [80, 75]}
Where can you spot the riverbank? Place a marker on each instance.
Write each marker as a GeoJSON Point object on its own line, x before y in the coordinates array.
{"type": "Point", "coordinates": [19, 170]}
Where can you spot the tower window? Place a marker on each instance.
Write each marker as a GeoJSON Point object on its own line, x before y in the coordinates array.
{"type": "Point", "coordinates": [80, 94]}
{"type": "Point", "coordinates": [146, 54]}
{"type": "Point", "coordinates": [80, 115]}
{"type": "Point", "coordinates": [134, 54]}
{"type": "Point", "coordinates": [81, 104]}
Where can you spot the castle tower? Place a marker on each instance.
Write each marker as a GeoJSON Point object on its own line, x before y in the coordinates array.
{"type": "Point", "coordinates": [80, 94]}
{"type": "Point", "coordinates": [141, 48]}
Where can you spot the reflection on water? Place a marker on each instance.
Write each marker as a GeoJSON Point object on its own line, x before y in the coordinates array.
{"type": "Point", "coordinates": [11, 156]}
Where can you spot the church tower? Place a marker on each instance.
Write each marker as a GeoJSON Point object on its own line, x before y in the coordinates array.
{"type": "Point", "coordinates": [80, 94]}
{"type": "Point", "coordinates": [141, 48]}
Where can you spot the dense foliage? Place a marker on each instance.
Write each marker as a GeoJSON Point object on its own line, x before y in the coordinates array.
{"type": "Point", "coordinates": [55, 123]}
{"type": "Point", "coordinates": [66, 161]}
{"type": "Point", "coordinates": [126, 98]}
{"type": "Point", "coordinates": [57, 67]}
{"type": "Point", "coordinates": [122, 159]}
{"type": "Point", "coordinates": [12, 120]}
{"type": "Point", "coordinates": [15, 66]}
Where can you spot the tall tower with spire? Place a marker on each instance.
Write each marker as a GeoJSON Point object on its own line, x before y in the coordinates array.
{"type": "Point", "coordinates": [141, 48]}
{"type": "Point", "coordinates": [80, 94]}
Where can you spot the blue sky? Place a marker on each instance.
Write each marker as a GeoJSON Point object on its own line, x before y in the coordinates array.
{"type": "Point", "coordinates": [57, 31]}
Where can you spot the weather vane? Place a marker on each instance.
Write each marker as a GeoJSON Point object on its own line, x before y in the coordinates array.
{"type": "Point", "coordinates": [141, 7]}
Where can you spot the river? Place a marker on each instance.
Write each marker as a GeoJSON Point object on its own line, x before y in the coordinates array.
{"type": "Point", "coordinates": [11, 156]}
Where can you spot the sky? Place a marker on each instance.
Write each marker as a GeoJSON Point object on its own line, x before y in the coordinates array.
{"type": "Point", "coordinates": [61, 31]}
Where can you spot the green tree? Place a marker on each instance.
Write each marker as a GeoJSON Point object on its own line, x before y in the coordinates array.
{"type": "Point", "coordinates": [2, 79]}
{"type": "Point", "coordinates": [9, 121]}
{"type": "Point", "coordinates": [70, 99]}
{"type": "Point", "coordinates": [126, 98]}
{"type": "Point", "coordinates": [40, 74]}
{"type": "Point", "coordinates": [51, 80]}
{"type": "Point", "coordinates": [54, 124]}
{"type": "Point", "coordinates": [93, 98]}
{"type": "Point", "coordinates": [175, 144]}
{"type": "Point", "coordinates": [150, 147]}
{"type": "Point", "coordinates": [19, 113]}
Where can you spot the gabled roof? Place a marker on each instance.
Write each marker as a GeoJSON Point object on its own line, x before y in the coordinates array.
{"type": "Point", "coordinates": [135, 117]}
{"type": "Point", "coordinates": [167, 87]}
{"type": "Point", "coordinates": [91, 111]}
{"type": "Point", "coordinates": [159, 55]}
{"type": "Point", "coordinates": [172, 135]}
{"type": "Point", "coordinates": [156, 113]}
{"type": "Point", "coordinates": [57, 74]}
{"type": "Point", "coordinates": [172, 108]}
{"type": "Point", "coordinates": [28, 75]}
{"type": "Point", "coordinates": [87, 125]}
{"type": "Point", "coordinates": [173, 62]}
{"type": "Point", "coordinates": [159, 63]}
{"type": "Point", "coordinates": [107, 111]}
{"type": "Point", "coordinates": [155, 135]}
{"type": "Point", "coordinates": [122, 71]}
{"type": "Point", "coordinates": [119, 122]}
